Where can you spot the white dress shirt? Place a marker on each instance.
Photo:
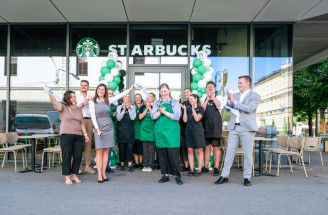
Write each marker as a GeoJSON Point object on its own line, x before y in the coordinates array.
{"type": "Point", "coordinates": [79, 100]}
{"type": "Point", "coordinates": [242, 96]}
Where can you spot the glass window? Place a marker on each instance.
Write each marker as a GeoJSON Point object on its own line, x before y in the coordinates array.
{"type": "Point", "coordinates": [227, 50]}
{"type": "Point", "coordinates": [109, 37]}
{"type": "Point", "coordinates": [158, 44]}
{"type": "Point", "coordinates": [39, 54]}
{"type": "Point", "coordinates": [3, 78]}
{"type": "Point", "coordinates": [272, 74]}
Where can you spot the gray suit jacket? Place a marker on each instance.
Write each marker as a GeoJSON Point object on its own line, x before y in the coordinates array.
{"type": "Point", "coordinates": [247, 111]}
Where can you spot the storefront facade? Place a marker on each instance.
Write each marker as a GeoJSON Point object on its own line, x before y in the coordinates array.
{"type": "Point", "coordinates": [151, 53]}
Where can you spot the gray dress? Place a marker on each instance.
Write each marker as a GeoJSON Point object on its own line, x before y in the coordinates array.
{"type": "Point", "coordinates": [105, 124]}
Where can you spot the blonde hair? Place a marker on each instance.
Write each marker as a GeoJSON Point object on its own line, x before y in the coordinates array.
{"type": "Point", "coordinates": [162, 86]}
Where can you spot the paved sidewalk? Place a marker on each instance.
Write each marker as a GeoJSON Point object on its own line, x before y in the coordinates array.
{"type": "Point", "coordinates": [140, 193]}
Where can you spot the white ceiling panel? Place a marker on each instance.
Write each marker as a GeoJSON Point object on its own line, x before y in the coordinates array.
{"type": "Point", "coordinates": [29, 11]}
{"type": "Point", "coordinates": [226, 11]}
{"type": "Point", "coordinates": [318, 10]}
{"type": "Point", "coordinates": [92, 10]}
{"type": "Point", "coordinates": [285, 10]}
{"type": "Point", "coordinates": [165, 10]}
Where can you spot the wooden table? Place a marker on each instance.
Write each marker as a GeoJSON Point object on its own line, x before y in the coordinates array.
{"type": "Point", "coordinates": [33, 137]}
{"type": "Point", "coordinates": [261, 141]}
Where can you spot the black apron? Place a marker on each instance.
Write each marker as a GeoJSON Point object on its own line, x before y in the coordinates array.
{"type": "Point", "coordinates": [181, 122]}
{"type": "Point", "coordinates": [212, 121]}
{"type": "Point", "coordinates": [194, 132]}
{"type": "Point", "coordinates": [125, 129]}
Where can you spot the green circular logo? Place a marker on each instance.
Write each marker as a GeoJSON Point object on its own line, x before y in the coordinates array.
{"type": "Point", "coordinates": [87, 47]}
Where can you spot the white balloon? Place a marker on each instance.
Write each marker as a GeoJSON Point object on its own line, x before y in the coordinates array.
{"type": "Point", "coordinates": [103, 63]}
{"type": "Point", "coordinates": [193, 71]}
{"type": "Point", "coordinates": [119, 66]}
{"type": "Point", "coordinates": [207, 62]}
{"type": "Point", "coordinates": [103, 82]}
{"type": "Point", "coordinates": [201, 55]}
{"type": "Point", "coordinates": [108, 77]}
{"type": "Point", "coordinates": [114, 72]}
{"type": "Point", "coordinates": [207, 76]}
{"type": "Point", "coordinates": [112, 56]}
{"type": "Point", "coordinates": [194, 92]}
{"type": "Point", "coordinates": [210, 70]}
{"type": "Point", "coordinates": [202, 83]}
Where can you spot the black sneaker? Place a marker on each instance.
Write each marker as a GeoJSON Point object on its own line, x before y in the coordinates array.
{"type": "Point", "coordinates": [122, 168]}
{"type": "Point", "coordinates": [140, 165]}
{"type": "Point", "coordinates": [216, 172]}
{"type": "Point", "coordinates": [164, 179]}
{"type": "Point", "coordinates": [130, 168]}
{"type": "Point", "coordinates": [205, 170]}
{"type": "Point", "coordinates": [109, 170]}
{"type": "Point", "coordinates": [185, 169]}
{"type": "Point", "coordinates": [191, 173]}
{"type": "Point", "coordinates": [198, 173]}
{"type": "Point", "coordinates": [178, 180]}
{"type": "Point", "coordinates": [136, 166]}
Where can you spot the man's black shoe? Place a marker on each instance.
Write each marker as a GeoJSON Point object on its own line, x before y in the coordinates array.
{"type": "Point", "coordinates": [205, 170]}
{"type": "Point", "coordinates": [164, 179]}
{"type": "Point", "coordinates": [178, 180]}
{"type": "Point", "coordinates": [109, 170]}
{"type": "Point", "coordinates": [216, 172]}
{"type": "Point", "coordinates": [221, 180]}
{"type": "Point", "coordinates": [247, 182]}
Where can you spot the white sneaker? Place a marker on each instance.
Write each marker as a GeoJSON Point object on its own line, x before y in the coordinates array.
{"type": "Point", "coordinates": [149, 169]}
{"type": "Point", "coordinates": [144, 169]}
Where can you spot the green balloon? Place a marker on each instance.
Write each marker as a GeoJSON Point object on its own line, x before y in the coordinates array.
{"type": "Point", "coordinates": [110, 64]}
{"type": "Point", "coordinates": [201, 69]}
{"type": "Point", "coordinates": [119, 75]}
{"type": "Point", "coordinates": [121, 85]}
{"type": "Point", "coordinates": [196, 77]}
{"type": "Point", "coordinates": [104, 70]}
{"type": "Point", "coordinates": [200, 95]}
{"type": "Point", "coordinates": [112, 85]}
{"type": "Point", "coordinates": [117, 79]}
{"type": "Point", "coordinates": [197, 63]}
{"type": "Point", "coordinates": [194, 86]}
{"type": "Point", "coordinates": [202, 90]}
{"type": "Point", "coordinates": [101, 78]}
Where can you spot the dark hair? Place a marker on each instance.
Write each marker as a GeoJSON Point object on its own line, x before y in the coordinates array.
{"type": "Point", "coordinates": [106, 94]}
{"type": "Point", "coordinates": [162, 86]}
{"type": "Point", "coordinates": [197, 98]}
{"type": "Point", "coordinates": [138, 94]}
{"type": "Point", "coordinates": [67, 97]}
{"type": "Point", "coordinates": [152, 94]}
{"type": "Point", "coordinates": [247, 78]}
{"type": "Point", "coordinates": [85, 82]}
{"type": "Point", "coordinates": [187, 89]}
{"type": "Point", "coordinates": [210, 82]}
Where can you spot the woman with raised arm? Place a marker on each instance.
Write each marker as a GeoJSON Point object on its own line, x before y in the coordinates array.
{"type": "Point", "coordinates": [194, 133]}
{"type": "Point", "coordinates": [126, 113]}
{"type": "Point", "coordinates": [99, 109]}
{"type": "Point", "coordinates": [72, 130]}
{"type": "Point", "coordinates": [166, 111]}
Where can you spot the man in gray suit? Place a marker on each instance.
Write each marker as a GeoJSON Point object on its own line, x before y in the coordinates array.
{"type": "Point", "coordinates": [242, 128]}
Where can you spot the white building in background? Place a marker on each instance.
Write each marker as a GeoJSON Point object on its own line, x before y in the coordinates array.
{"type": "Point", "coordinates": [276, 104]}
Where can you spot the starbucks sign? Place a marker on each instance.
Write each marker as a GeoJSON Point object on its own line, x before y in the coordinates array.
{"type": "Point", "coordinates": [87, 47]}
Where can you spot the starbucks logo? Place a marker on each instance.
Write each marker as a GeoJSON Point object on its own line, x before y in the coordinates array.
{"type": "Point", "coordinates": [87, 47]}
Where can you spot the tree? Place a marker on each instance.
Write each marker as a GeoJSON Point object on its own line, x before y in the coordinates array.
{"type": "Point", "coordinates": [310, 91]}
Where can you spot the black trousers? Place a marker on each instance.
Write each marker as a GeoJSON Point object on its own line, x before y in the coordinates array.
{"type": "Point", "coordinates": [183, 149]}
{"type": "Point", "coordinates": [149, 153]}
{"type": "Point", "coordinates": [125, 152]}
{"type": "Point", "coordinates": [169, 161]}
{"type": "Point", "coordinates": [71, 146]}
{"type": "Point", "coordinates": [137, 147]}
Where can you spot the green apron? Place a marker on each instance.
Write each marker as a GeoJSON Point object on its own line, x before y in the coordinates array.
{"type": "Point", "coordinates": [147, 128]}
{"type": "Point", "coordinates": [167, 131]}
{"type": "Point", "coordinates": [137, 125]}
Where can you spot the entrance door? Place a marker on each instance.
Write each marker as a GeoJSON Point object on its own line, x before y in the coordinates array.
{"type": "Point", "coordinates": [151, 77]}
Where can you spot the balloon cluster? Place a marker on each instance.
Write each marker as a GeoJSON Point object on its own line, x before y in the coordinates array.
{"type": "Point", "coordinates": [112, 73]}
{"type": "Point", "coordinates": [201, 74]}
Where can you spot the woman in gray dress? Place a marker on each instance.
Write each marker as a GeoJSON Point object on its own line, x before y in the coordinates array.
{"type": "Point", "coordinates": [99, 109]}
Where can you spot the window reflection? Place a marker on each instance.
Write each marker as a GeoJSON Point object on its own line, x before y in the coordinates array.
{"type": "Point", "coordinates": [3, 78]}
